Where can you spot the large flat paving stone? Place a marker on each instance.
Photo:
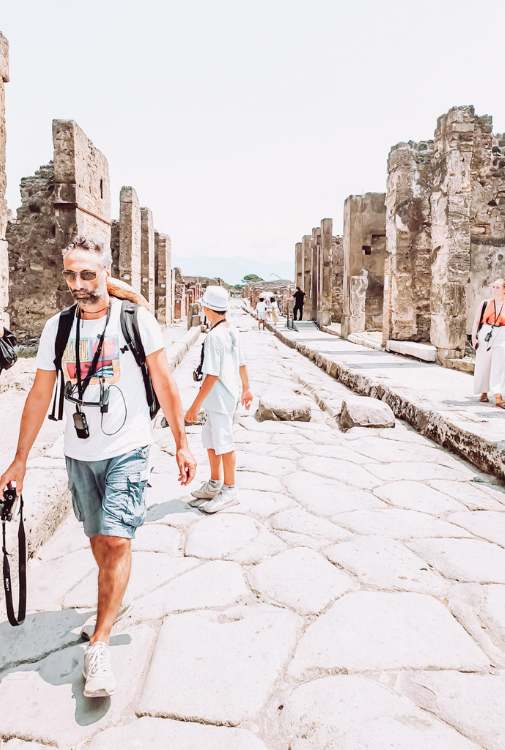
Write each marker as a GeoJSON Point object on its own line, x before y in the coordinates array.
{"type": "Point", "coordinates": [174, 512]}
{"type": "Point", "coordinates": [487, 524]}
{"type": "Point", "coordinates": [157, 734]}
{"type": "Point", "coordinates": [327, 497]}
{"type": "Point", "coordinates": [384, 451]}
{"type": "Point", "coordinates": [415, 470]}
{"type": "Point", "coordinates": [386, 564]}
{"type": "Point", "coordinates": [463, 559]}
{"type": "Point", "coordinates": [54, 710]}
{"type": "Point", "coordinates": [230, 536]}
{"type": "Point", "coordinates": [22, 745]}
{"type": "Point", "coordinates": [301, 579]}
{"type": "Point", "coordinates": [386, 631]}
{"type": "Point", "coordinates": [470, 494]}
{"type": "Point", "coordinates": [399, 524]}
{"type": "Point", "coordinates": [300, 521]}
{"type": "Point", "coordinates": [149, 570]}
{"type": "Point", "coordinates": [336, 451]}
{"type": "Point", "coordinates": [158, 538]}
{"type": "Point", "coordinates": [213, 584]}
{"type": "Point", "coordinates": [344, 471]}
{"type": "Point", "coordinates": [219, 669]}
{"type": "Point", "coordinates": [417, 496]}
{"type": "Point", "coordinates": [260, 504]}
{"type": "Point", "coordinates": [472, 703]}
{"type": "Point", "coordinates": [274, 467]}
{"type": "Point", "coordinates": [51, 580]}
{"type": "Point", "coordinates": [356, 713]}
{"type": "Point", "coordinates": [251, 480]}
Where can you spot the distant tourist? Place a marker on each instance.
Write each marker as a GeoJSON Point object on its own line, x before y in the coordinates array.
{"type": "Point", "coordinates": [274, 310]}
{"type": "Point", "coordinates": [225, 384]}
{"type": "Point", "coordinates": [268, 305]}
{"type": "Point", "coordinates": [488, 339]}
{"type": "Point", "coordinates": [299, 300]}
{"type": "Point", "coordinates": [261, 313]}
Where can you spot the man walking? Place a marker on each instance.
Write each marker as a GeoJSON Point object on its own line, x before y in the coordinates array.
{"type": "Point", "coordinates": [299, 300]}
{"type": "Point", "coordinates": [108, 431]}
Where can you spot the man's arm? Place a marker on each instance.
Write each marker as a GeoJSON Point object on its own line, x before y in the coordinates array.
{"type": "Point", "coordinates": [34, 411]}
{"type": "Point", "coordinates": [170, 402]}
{"type": "Point", "coordinates": [247, 396]}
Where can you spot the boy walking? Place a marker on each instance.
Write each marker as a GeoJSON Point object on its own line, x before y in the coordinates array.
{"type": "Point", "coordinates": [225, 383]}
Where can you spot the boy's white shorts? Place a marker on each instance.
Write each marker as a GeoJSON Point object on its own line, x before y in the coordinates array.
{"type": "Point", "coordinates": [217, 432]}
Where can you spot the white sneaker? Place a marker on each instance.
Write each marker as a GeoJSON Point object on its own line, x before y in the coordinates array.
{"type": "Point", "coordinates": [205, 493]}
{"type": "Point", "coordinates": [97, 671]}
{"type": "Point", "coordinates": [88, 628]}
{"type": "Point", "coordinates": [226, 498]}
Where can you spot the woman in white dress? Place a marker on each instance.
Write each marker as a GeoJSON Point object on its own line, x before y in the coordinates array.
{"type": "Point", "coordinates": [488, 339]}
{"type": "Point", "coordinates": [274, 311]}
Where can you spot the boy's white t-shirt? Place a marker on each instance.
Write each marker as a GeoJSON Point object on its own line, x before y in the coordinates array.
{"type": "Point", "coordinates": [119, 370]}
{"type": "Point", "coordinates": [261, 308]}
{"type": "Point", "coordinates": [223, 358]}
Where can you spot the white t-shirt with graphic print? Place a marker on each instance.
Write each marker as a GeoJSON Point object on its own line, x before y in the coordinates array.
{"type": "Point", "coordinates": [109, 437]}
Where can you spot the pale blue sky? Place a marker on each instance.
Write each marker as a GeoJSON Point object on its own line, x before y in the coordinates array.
{"type": "Point", "coordinates": [242, 124]}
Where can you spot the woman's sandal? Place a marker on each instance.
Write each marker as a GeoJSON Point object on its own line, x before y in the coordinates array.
{"type": "Point", "coordinates": [484, 399]}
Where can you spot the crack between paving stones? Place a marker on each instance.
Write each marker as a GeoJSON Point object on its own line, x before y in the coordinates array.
{"type": "Point", "coordinates": [24, 738]}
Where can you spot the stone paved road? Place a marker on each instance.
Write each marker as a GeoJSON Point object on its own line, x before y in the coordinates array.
{"type": "Point", "coordinates": [354, 600]}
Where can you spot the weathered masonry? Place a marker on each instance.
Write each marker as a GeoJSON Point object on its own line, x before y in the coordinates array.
{"type": "Point", "coordinates": [4, 261]}
{"type": "Point", "coordinates": [69, 196]}
{"type": "Point", "coordinates": [318, 271]}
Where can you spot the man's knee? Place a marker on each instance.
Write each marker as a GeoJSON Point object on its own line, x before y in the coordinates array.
{"type": "Point", "coordinates": [111, 547]}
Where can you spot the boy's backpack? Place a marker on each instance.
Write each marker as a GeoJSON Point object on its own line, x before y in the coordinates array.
{"type": "Point", "coordinates": [131, 333]}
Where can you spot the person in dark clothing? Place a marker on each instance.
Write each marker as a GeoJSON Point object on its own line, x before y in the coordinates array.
{"type": "Point", "coordinates": [298, 308]}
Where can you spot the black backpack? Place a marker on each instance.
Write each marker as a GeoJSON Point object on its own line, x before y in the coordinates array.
{"type": "Point", "coordinates": [131, 333]}
{"type": "Point", "coordinates": [8, 354]}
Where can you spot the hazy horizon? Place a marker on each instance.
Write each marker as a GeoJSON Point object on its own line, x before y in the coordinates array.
{"type": "Point", "coordinates": [242, 125]}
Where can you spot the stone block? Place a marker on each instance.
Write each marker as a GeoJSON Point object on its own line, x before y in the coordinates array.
{"type": "Point", "coordinates": [130, 264]}
{"type": "Point", "coordinates": [237, 656]}
{"type": "Point", "coordinates": [469, 560]}
{"type": "Point", "coordinates": [425, 352]}
{"type": "Point", "coordinates": [363, 411]}
{"type": "Point", "coordinates": [147, 255]}
{"type": "Point", "coordinates": [4, 58]}
{"type": "Point", "coordinates": [284, 407]}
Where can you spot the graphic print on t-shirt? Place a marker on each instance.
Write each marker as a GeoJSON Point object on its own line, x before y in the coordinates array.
{"type": "Point", "coordinates": [108, 365]}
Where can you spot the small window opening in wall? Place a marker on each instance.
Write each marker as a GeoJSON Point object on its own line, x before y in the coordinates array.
{"type": "Point", "coordinates": [101, 189]}
{"type": "Point", "coordinates": [367, 249]}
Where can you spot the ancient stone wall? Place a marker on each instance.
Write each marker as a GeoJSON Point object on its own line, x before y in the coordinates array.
{"type": "Point", "coordinates": [407, 313]}
{"type": "Point", "coordinates": [68, 196]}
{"type": "Point", "coordinates": [114, 247]}
{"type": "Point", "coordinates": [4, 260]}
{"type": "Point", "coordinates": [130, 264]}
{"type": "Point", "coordinates": [364, 253]}
{"type": "Point", "coordinates": [299, 274]}
{"type": "Point", "coordinates": [147, 256]}
{"type": "Point", "coordinates": [324, 307]}
{"type": "Point", "coordinates": [163, 279]}
{"type": "Point", "coordinates": [307, 276]}
{"type": "Point", "coordinates": [337, 279]}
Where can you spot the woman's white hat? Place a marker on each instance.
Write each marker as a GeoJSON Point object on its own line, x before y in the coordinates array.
{"type": "Point", "coordinates": [216, 298]}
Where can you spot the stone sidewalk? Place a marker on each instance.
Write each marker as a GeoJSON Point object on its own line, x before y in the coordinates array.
{"type": "Point", "coordinates": [354, 600]}
{"type": "Point", "coordinates": [438, 401]}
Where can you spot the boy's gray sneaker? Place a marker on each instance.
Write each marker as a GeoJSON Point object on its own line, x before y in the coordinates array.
{"type": "Point", "coordinates": [226, 498]}
{"type": "Point", "coordinates": [88, 628]}
{"type": "Point", "coordinates": [206, 492]}
{"type": "Point", "coordinates": [97, 671]}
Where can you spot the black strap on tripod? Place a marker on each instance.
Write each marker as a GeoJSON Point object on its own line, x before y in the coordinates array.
{"type": "Point", "coordinates": [22, 572]}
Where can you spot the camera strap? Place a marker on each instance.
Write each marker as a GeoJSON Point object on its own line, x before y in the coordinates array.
{"type": "Point", "coordinates": [22, 572]}
{"type": "Point", "coordinates": [202, 352]}
{"type": "Point", "coordinates": [83, 384]}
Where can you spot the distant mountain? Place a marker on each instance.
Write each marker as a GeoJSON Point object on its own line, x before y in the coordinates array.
{"type": "Point", "coordinates": [232, 270]}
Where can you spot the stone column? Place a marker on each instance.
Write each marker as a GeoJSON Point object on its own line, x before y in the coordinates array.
{"type": "Point", "coordinates": [307, 276]}
{"type": "Point", "coordinates": [299, 265]}
{"type": "Point", "coordinates": [337, 279]}
{"type": "Point", "coordinates": [450, 212]}
{"type": "Point", "coordinates": [4, 259]}
{"type": "Point", "coordinates": [325, 275]}
{"type": "Point", "coordinates": [147, 256]}
{"type": "Point", "coordinates": [316, 253]}
{"type": "Point", "coordinates": [130, 265]}
{"type": "Point", "coordinates": [407, 282]}
{"type": "Point", "coordinates": [163, 279]}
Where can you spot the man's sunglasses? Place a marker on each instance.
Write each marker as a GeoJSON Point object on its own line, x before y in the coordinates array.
{"type": "Point", "coordinates": [85, 275]}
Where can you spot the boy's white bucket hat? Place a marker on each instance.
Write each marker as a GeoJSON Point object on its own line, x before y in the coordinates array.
{"type": "Point", "coordinates": [216, 298]}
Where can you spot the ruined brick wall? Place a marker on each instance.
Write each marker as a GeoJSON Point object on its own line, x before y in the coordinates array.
{"type": "Point", "coordinates": [364, 253]}
{"type": "Point", "coordinates": [4, 260]}
{"type": "Point", "coordinates": [407, 312]}
{"type": "Point", "coordinates": [147, 256]}
{"type": "Point", "coordinates": [164, 291]}
{"type": "Point", "coordinates": [68, 196]}
{"type": "Point", "coordinates": [337, 279]}
{"type": "Point", "coordinates": [130, 263]}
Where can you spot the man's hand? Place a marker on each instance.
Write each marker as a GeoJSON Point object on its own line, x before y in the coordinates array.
{"type": "Point", "coordinates": [191, 416]}
{"type": "Point", "coordinates": [186, 464]}
{"type": "Point", "coordinates": [247, 398]}
{"type": "Point", "coordinates": [15, 474]}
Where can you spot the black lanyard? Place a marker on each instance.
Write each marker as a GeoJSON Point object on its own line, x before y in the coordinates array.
{"type": "Point", "coordinates": [11, 615]}
{"type": "Point", "coordinates": [496, 324]}
{"type": "Point", "coordinates": [83, 384]}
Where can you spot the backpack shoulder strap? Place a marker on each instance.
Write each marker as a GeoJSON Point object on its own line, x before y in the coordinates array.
{"type": "Point", "coordinates": [65, 323]}
{"type": "Point", "coordinates": [131, 331]}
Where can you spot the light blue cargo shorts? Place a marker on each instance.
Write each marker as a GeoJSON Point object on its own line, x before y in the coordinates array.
{"type": "Point", "coordinates": [108, 495]}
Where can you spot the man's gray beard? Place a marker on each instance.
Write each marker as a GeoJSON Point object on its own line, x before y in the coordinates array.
{"type": "Point", "coordinates": [89, 298]}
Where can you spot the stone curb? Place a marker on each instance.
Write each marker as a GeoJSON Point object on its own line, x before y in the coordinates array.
{"type": "Point", "coordinates": [482, 453]}
{"type": "Point", "coordinates": [46, 494]}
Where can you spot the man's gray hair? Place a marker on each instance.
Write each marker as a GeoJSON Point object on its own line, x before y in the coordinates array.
{"type": "Point", "coordinates": [82, 243]}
